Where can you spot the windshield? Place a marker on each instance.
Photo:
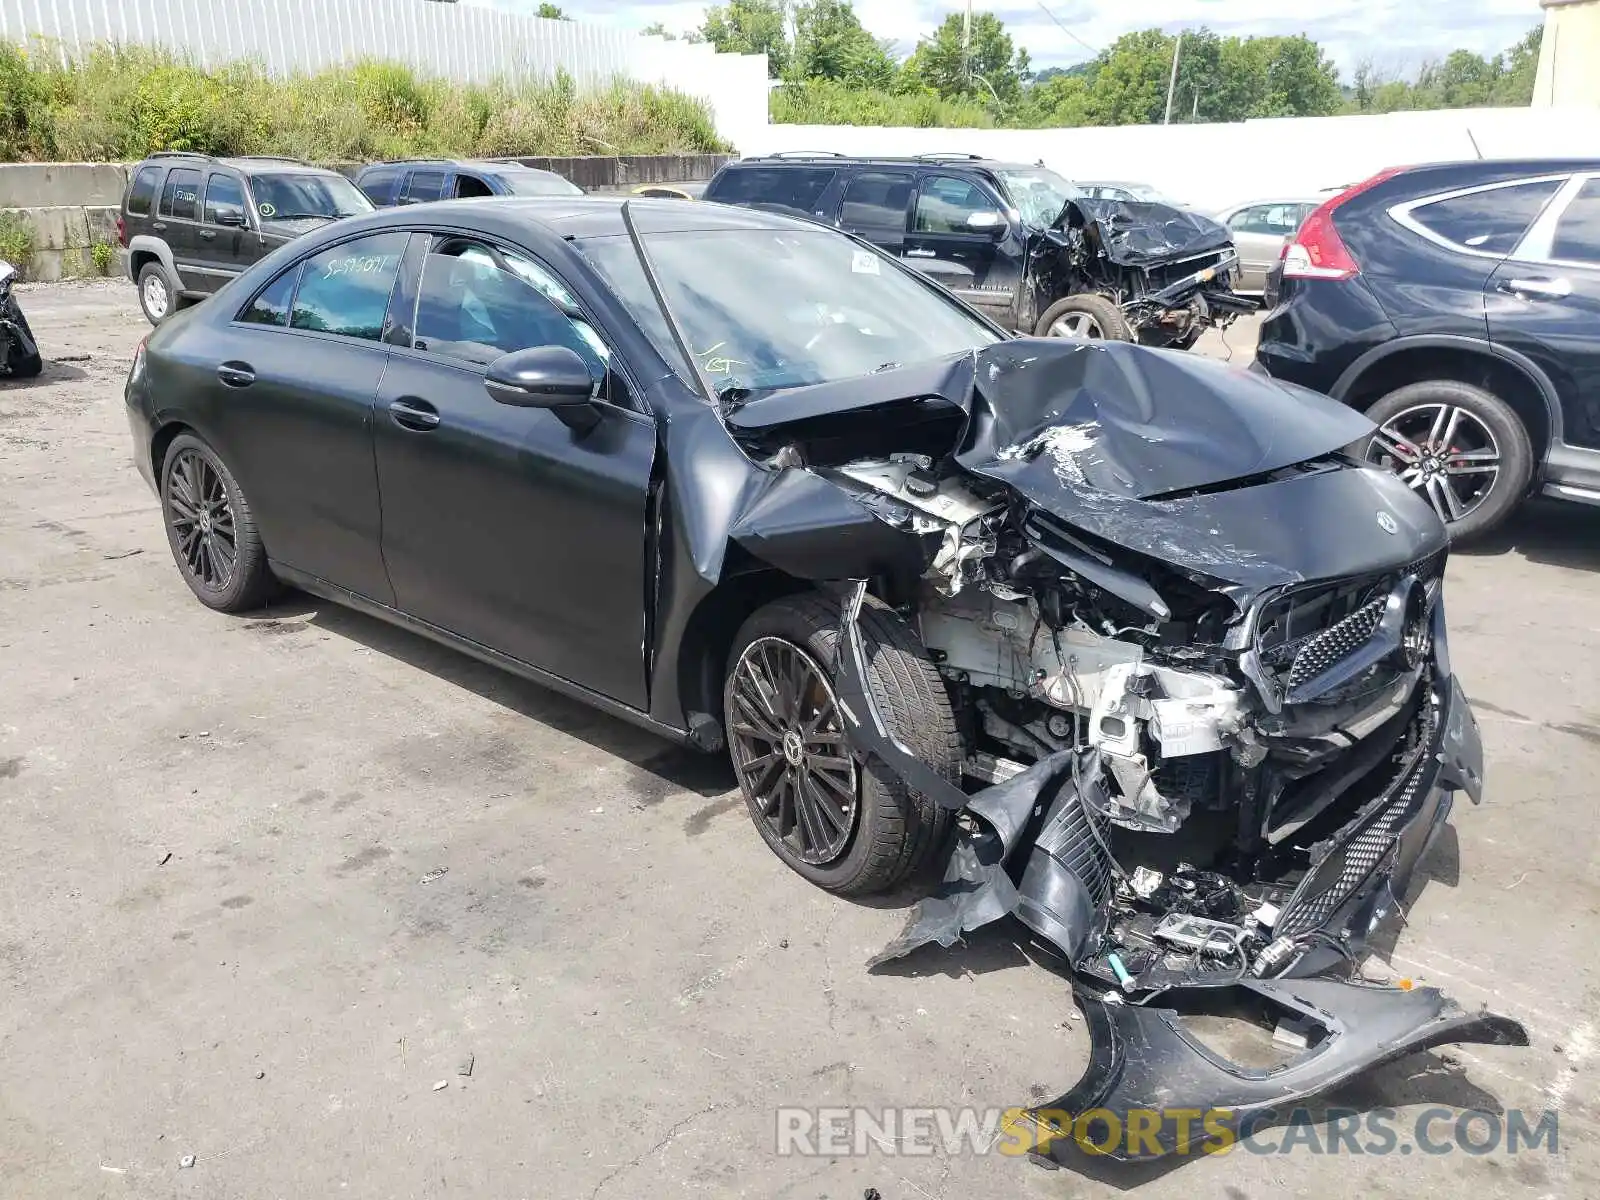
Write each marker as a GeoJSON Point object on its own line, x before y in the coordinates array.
{"type": "Point", "coordinates": [1039, 194]}
{"type": "Point", "coordinates": [765, 309]}
{"type": "Point", "coordinates": [539, 183]}
{"type": "Point", "coordinates": [295, 197]}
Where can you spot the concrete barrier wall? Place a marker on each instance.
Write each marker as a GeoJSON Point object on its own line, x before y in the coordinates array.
{"type": "Point", "coordinates": [1212, 166]}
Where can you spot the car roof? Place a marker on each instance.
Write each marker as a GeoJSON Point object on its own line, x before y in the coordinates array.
{"type": "Point", "coordinates": [582, 216]}
{"type": "Point", "coordinates": [485, 166]}
{"type": "Point", "coordinates": [806, 158]}
{"type": "Point", "coordinates": [248, 164]}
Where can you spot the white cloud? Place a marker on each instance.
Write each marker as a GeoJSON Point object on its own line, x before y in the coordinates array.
{"type": "Point", "coordinates": [1395, 33]}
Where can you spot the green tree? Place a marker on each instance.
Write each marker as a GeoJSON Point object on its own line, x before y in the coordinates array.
{"type": "Point", "coordinates": [657, 29]}
{"type": "Point", "coordinates": [551, 13]}
{"type": "Point", "coordinates": [1130, 82]}
{"type": "Point", "coordinates": [943, 64]}
{"type": "Point", "coordinates": [750, 27]}
{"type": "Point", "coordinates": [831, 43]}
{"type": "Point", "coordinates": [1519, 70]}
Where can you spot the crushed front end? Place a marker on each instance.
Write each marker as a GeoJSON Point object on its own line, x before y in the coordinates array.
{"type": "Point", "coordinates": [1199, 663]}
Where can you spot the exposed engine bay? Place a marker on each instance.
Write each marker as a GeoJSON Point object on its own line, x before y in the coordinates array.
{"type": "Point", "coordinates": [1196, 654]}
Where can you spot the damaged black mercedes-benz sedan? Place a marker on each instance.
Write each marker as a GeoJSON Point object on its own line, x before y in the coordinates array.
{"type": "Point", "coordinates": [1120, 636]}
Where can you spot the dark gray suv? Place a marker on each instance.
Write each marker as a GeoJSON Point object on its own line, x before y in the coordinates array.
{"type": "Point", "coordinates": [191, 222]}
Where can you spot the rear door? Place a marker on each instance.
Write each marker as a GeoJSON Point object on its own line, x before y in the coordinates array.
{"type": "Point", "coordinates": [178, 224]}
{"type": "Point", "coordinates": [876, 205]}
{"type": "Point", "coordinates": [796, 191]}
{"type": "Point", "coordinates": [424, 184]}
{"type": "Point", "coordinates": [1544, 302]}
{"type": "Point", "coordinates": [960, 236]}
{"type": "Point", "coordinates": [226, 243]}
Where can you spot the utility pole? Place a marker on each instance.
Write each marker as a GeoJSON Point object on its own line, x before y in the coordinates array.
{"type": "Point", "coordinates": [966, 46]}
{"type": "Point", "coordinates": [1172, 84]}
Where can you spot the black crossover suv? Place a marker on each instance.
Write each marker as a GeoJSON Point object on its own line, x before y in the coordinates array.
{"type": "Point", "coordinates": [1019, 243]}
{"type": "Point", "coordinates": [1458, 306]}
{"type": "Point", "coordinates": [1121, 633]}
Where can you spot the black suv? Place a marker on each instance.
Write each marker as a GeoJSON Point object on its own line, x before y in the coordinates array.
{"type": "Point", "coordinates": [1458, 306]}
{"type": "Point", "coordinates": [1019, 243]}
{"type": "Point", "coordinates": [191, 222]}
{"type": "Point", "coordinates": [420, 180]}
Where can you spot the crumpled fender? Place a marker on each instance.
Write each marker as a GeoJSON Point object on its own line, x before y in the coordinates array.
{"type": "Point", "coordinates": [1143, 1060]}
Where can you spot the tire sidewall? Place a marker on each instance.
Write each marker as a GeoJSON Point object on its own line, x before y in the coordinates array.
{"type": "Point", "coordinates": [1107, 315]}
{"type": "Point", "coordinates": [871, 780]}
{"type": "Point", "coordinates": [230, 597]}
{"type": "Point", "coordinates": [158, 271]}
{"type": "Point", "coordinates": [1516, 447]}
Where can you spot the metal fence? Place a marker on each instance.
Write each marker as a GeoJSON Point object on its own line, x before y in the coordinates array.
{"type": "Point", "coordinates": [447, 40]}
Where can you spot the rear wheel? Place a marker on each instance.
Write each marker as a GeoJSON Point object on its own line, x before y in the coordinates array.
{"type": "Point", "coordinates": [1461, 448]}
{"type": "Point", "coordinates": [1085, 316]}
{"type": "Point", "coordinates": [158, 293]}
{"type": "Point", "coordinates": [847, 826]}
{"type": "Point", "coordinates": [212, 530]}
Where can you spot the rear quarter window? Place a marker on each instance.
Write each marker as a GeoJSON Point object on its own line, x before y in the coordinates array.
{"type": "Point", "coordinates": [787, 189]}
{"type": "Point", "coordinates": [1492, 221]}
{"type": "Point", "coordinates": [142, 191]}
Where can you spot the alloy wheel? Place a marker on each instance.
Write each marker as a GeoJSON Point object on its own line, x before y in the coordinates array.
{"type": "Point", "coordinates": [155, 296]}
{"type": "Point", "coordinates": [202, 522]}
{"type": "Point", "coordinates": [1443, 453]}
{"type": "Point", "coordinates": [788, 747]}
{"type": "Point", "coordinates": [1077, 325]}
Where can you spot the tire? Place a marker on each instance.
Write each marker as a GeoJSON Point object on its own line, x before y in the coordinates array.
{"type": "Point", "coordinates": [249, 583]}
{"type": "Point", "coordinates": [1095, 311]}
{"type": "Point", "coordinates": [1476, 459]}
{"type": "Point", "coordinates": [893, 833]}
{"type": "Point", "coordinates": [155, 282]}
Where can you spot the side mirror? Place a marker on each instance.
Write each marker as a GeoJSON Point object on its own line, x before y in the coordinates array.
{"type": "Point", "coordinates": [985, 221]}
{"type": "Point", "coordinates": [232, 217]}
{"type": "Point", "coordinates": [552, 377]}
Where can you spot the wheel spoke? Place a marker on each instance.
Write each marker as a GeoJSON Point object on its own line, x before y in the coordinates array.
{"type": "Point", "coordinates": [810, 820]}
{"type": "Point", "coordinates": [1449, 434]}
{"type": "Point", "coordinates": [760, 724]}
{"type": "Point", "coordinates": [1436, 432]}
{"type": "Point", "coordinates": [1391, 442]}
{"type": "Point", "coordinates": [823, 807]}
{"type": "Point", "coordinates": [822, 769]}
{"type": "Point", "coordinates": [1489, 469]}
{"type": "Point", "coordinates": [1488, 454]}
{"type": "Point", "coordinates": [1444, 499]}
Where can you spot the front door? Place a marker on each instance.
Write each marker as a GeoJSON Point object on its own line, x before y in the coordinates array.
{"type": "Point", "coordinates": [1544, 302]}
{"type": "Point", "coordinates": [961, 237]}
{"type": "Point", "coordinates": [226, 244]}
{"type": "Point", "coordinates": [501, 524]}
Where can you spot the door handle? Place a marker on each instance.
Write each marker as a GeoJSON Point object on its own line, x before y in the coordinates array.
{"type": "Point", "coordinates": [920, 254]}
{"type": "Point", "coordinates": [158, 226]}
{"type": "Point", "coordinates": [1547, 289]}
{"type": "Point", "coordinates": [236, 374]}
{"type": "Point", "coordinates": [209, 234]}
{"type": "Point", "coordinates": [416, 415]}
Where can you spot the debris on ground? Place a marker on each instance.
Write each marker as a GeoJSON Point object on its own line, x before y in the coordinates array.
{"type": "Point", "coordinates": [436, 874]}
{"type": "Point", "coordinates": [165, 859]}
{"type": "Point", "coordinates": [186, 1161]}
{"type": "Point", "coordinates": [441, 1085]}
{"type": "Point", "coordinates": [465, 1067]}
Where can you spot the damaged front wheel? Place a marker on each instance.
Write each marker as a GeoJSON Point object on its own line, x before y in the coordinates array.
{"type": "Point", "coordinates": [847, 826]}
{"type": "Point", "coordinates": [1085, 316]}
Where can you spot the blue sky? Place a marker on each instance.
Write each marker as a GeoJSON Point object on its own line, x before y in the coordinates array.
{"type": "Point", "coordinates": [1395, 33]}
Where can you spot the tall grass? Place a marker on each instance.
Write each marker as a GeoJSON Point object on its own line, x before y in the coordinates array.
{"type": "Point", "coordinates": [828, 102]}
{"type": "Point", "coordinates": [123, 102]}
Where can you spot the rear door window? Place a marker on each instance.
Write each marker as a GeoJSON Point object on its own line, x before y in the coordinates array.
{"type": "Point", "coordinates": [345, 289]}
{"type": "Point", "coordinates": [379, 183]}
{"type": "Point", "coordinates": [143, 192]}
{"type": "Point", "coordinates": [875, 202]}
{"type": "Point", "coordinates": [1490, 221]}
{"type": "Point", "coordinates": [1578, 232]}
{"type": "Point", "coordinates": [788, 189]}
{"type": "Point", "coordinates": [180, 199]}
{"type": "Point", "coordinates": [423, 186]}
{"type": "Point", "coordinates": [223, 195]}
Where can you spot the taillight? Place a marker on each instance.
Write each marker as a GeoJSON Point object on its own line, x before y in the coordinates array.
{"type": "Point", "coordinates": [122, 232]}
{"type": "Point", "coordinates": [1317, 251]}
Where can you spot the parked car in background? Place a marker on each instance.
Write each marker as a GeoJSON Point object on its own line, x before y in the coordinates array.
{"type": "Point", "coordinates": [191, 222]}
{"type": "Point", "coordinates": [417, 181]}
{"type": "Point", "coordinates": [1128, 193]}
{"type": "Point", "coordinates": [1458, 306]}
{"type": "Point", "coordinates": [671, 191]}
{"type": "Point", "coordinates": [1019, 243]}
{"type": "Point", "coordinates": [1261, 229]}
